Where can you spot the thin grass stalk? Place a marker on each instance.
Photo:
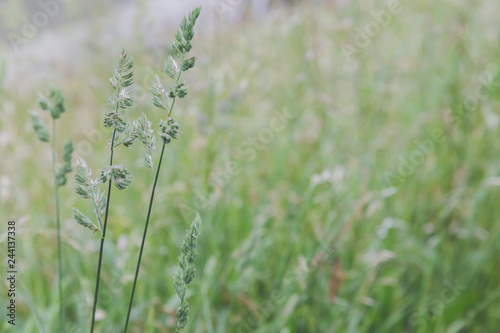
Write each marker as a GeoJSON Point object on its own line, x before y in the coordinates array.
{"type": "Point", "coordinates": [143, 239]}
{"type": "Point", "coordinates": [86, 185]}
{"type": "Point", "coordinates": [96, 294]}
{"type": "Point", "coordinates": [149, 213]}
{"type": "Point", "coordinates": [181, 47]}
{"type": "Point", "coordinates": [54, 104]}
{"type": "Point", "coordinates": [58, 221]}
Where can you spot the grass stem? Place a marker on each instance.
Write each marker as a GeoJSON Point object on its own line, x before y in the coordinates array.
{"type": "Point", "coordinates": [96, 294]}
{"type": "Point", "coordinates": [58, 221]}
{"type": "Point", "coordinates": [144, 237]}
{"type": "Point", "coordinates": [149, 213]}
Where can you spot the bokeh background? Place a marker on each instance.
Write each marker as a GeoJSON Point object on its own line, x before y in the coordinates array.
{"type": "Point", "coordinates": [343, 156]}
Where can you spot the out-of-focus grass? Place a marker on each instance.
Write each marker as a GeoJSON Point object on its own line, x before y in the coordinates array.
{"type": "Point", "coordinates": [308, 204]}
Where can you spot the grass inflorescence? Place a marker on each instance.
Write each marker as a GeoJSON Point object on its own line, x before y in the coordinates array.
{"type": "Point", "coordinates": [169, 128]}
{"type": "Point", "coordinates": [118, 175]}
{"type": "Point", "coordinates": [284, 151]}
{"type": "Point", "coordinates": [126, 133]}
{"type": "Point", "coordinates": [186, 272]}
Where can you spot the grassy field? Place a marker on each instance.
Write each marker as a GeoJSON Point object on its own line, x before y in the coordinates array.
{"type": "Point", "coordinates": [347, 182]}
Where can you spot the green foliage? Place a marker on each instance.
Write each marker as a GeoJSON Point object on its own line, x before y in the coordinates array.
{"type": "Point", "coordinates": [420, 256]}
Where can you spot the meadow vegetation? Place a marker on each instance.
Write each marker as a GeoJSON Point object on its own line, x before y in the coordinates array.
{"type": "Point", "coordinates": [338, 194]}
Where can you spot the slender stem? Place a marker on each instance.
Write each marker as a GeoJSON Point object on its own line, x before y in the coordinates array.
{"type": "Point", "coordinates": [103, 237]}
{"type": "Point", "coordinates": [171, 107]}
{"type": "Point", "coordinates": [149, 213]}
{"type": "Point", "coordinates": [144, 237]}
{"type": "Point", "coordinates": [58, 221]}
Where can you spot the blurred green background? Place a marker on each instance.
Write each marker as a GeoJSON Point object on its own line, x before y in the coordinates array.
{"type": "Point", "coordinates": [342, 156]}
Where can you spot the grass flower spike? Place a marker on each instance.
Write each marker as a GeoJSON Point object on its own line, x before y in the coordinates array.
{"type": "Point", "coordinates": [86, 187]}
{"type": "Point", "coordinates": [186, 272]}
{"type": "Point", "coordinates": [123, 133]}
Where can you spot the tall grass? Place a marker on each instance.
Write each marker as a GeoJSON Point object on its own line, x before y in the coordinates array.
{"type": "Point", "coordinates": [55, 105]}
{"type": "Point", "coordinates": [420, 255]}
{"type": "Point", "coordinates": [169, 128]}
{"type": "Point", "coordinates": [114, 174]}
